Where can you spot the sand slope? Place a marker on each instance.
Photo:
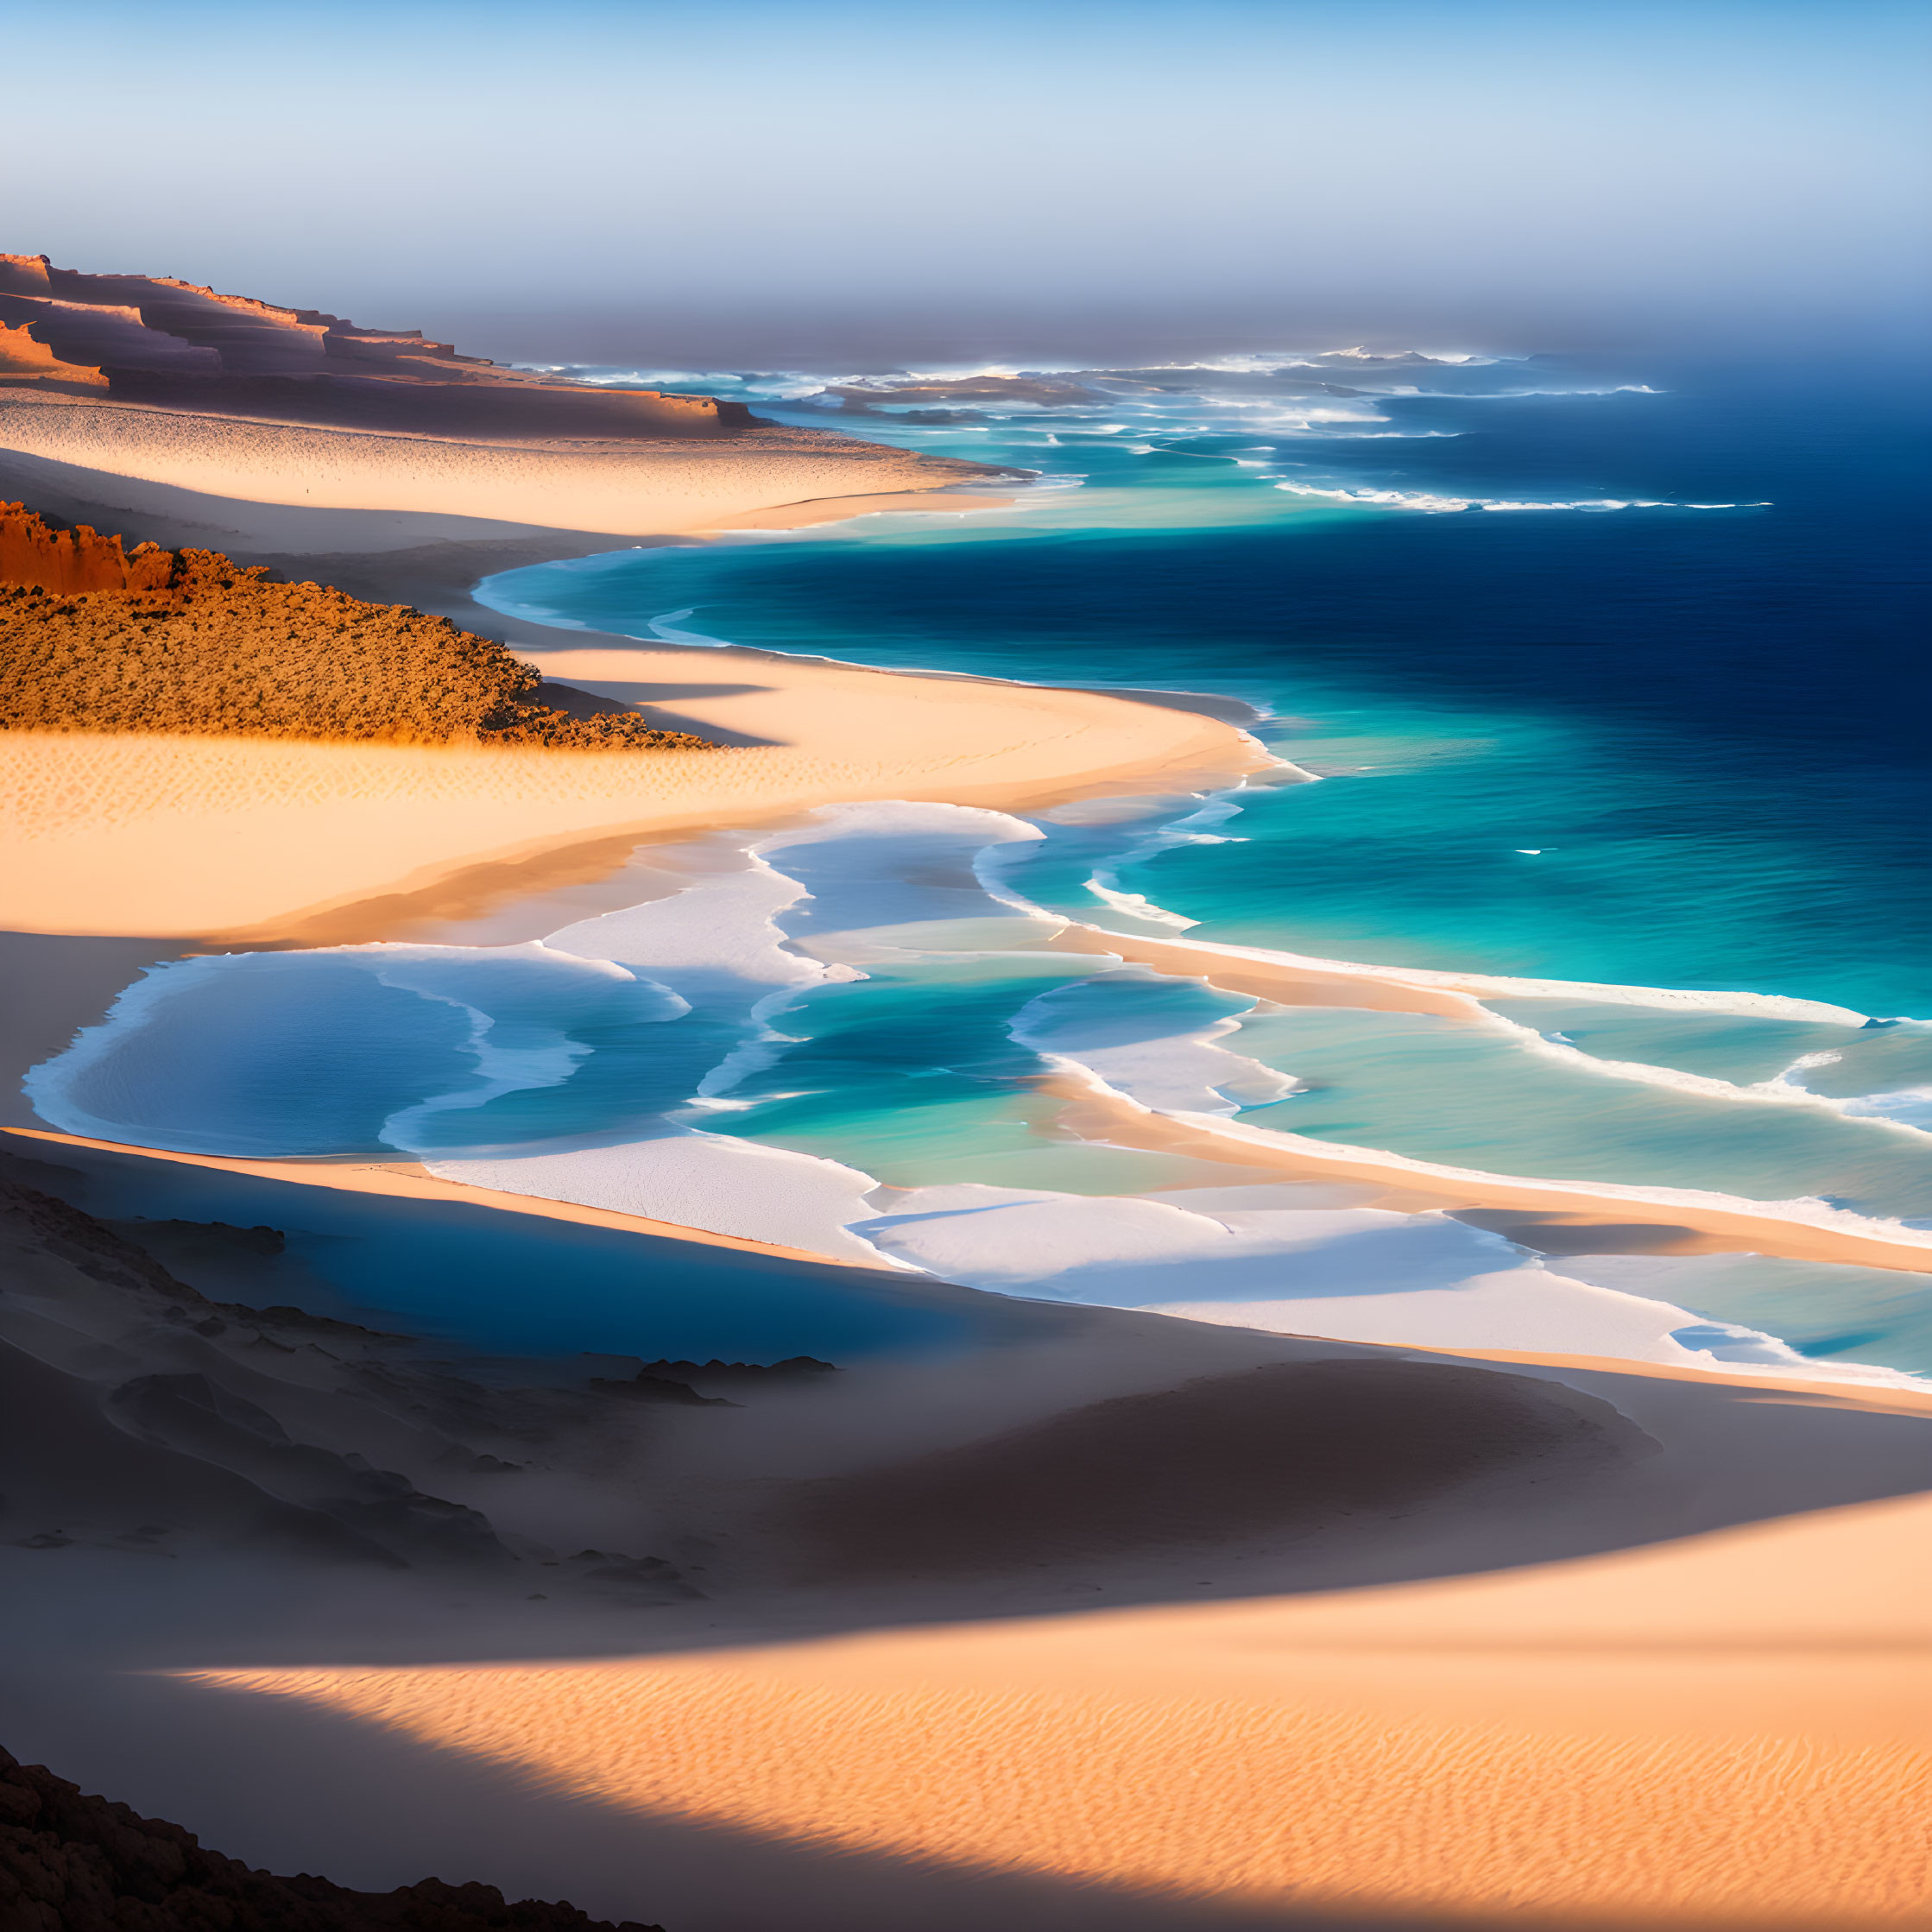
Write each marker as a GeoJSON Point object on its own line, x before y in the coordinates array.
{"type": "Point", "coordinates": [1727, 1730]}
{"type": "Point", "coordinates": [1369, 1630]}
{"type": "Point", "coordinates": [201, 836]}
{"type": "Point", "coordinates": [629, 487]}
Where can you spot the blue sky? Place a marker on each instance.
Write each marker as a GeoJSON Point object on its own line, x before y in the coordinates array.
{"type": "Point", "coordinates": [1464, 168]}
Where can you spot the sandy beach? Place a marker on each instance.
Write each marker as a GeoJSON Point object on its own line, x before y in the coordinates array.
{"type": "Point", "coordinates": [211, 837]}
{"type": "Point", "coordinates": [635, 488]}
{"type": "Point", "coordinates": [224, 837]}
{"type": "Point", "coordinates": [1533, 1640]}
{"type": "Point", "coordinates": [1655, 1658]}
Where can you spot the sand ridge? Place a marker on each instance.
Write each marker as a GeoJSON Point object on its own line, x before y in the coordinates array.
{"type": "Point", "coordinates": [636, 486]}
{"type": "Point", "coordinates": [1724, 1731]}
{"type": "Point", "coordinates": [202, 836]}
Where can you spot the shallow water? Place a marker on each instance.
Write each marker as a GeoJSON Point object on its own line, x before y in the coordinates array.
{"type": "Point", "coordinates": [1606, 677]}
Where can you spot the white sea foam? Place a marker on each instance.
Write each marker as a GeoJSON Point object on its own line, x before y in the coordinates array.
{"type": "Point", "coordinates": [1189, 829]}
{"type": "Point", "coordinates": [1137, 906]}
{"type": "Point", "coordinates": [663, 626]}
{"type": "Point", "coordinates": [1351, 1275]}
{"type": "Point", "coordinates": [1185, 1068]}
{"type": "Point", "coordinates": [1782, 1089]}
{"type": "Point", "coordinates": [1806, 1212]}
{"type": "Point", "coordinates": [696, 1180]}
{"type": "Point", "coordinates": [720, 927]}
{"type": "Point", "coordinates": [872, 867]}
{"type": "Point", "coordinates": [1436, 503]}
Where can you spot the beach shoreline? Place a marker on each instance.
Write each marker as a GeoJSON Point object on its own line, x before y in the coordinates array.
{"type": "Point", "coordinates": [299, 820]}
{"type": "Point", "coordinates": [1669, 1687]}
{"type": "Point", "coordinates": [230, 841]}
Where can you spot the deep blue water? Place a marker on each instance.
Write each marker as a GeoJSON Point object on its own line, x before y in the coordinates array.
{"type": "Point", "coordinates": [1713, 723]}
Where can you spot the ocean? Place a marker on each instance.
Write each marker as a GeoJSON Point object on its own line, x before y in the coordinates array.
{"type": "Point", "coordinates": [1601, 676]}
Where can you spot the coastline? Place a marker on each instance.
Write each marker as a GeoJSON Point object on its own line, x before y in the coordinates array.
{"type": "Point", "coordinates": [643, 486]}
{"type": "Point", "coordinates": [232, 840]}
{"type": "Point", "coordinates": [1711, 1721]}
{"type": "Point", "coordinates": [219, 843]}
{"type": "Point", "coordinates": [229, 841]}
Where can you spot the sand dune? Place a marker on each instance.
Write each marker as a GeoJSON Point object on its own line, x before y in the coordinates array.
{"type": "Point", "coordinates": [199, 835]}
{"type": "Point", "coordinates": [634, 486]}
{"type": "Point", "coordinates": [1404, 1638]}
{"type": "Point", "coordinates": [1729, 1730]}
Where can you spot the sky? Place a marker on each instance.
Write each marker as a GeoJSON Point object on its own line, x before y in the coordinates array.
{"type": "Point", "coordinates": [599, 179]}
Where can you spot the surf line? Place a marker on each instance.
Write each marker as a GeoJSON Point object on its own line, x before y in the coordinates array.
{"type": "Point", "coordinates": [1803, 1230]}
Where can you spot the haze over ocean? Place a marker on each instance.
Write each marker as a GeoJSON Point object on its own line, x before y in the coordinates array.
{"type": "Point", "coordinates": [853, 184]}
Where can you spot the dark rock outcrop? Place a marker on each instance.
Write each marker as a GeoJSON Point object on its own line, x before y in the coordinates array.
{"type": "Point", "coordinates": [70, 1862]}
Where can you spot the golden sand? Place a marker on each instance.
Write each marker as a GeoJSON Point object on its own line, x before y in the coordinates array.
{"type": "Point", "coordinates": [1732, 1728]}
{"type": "Point", "coordinates": [199, 835]}
{"type": "Point", "coordinates": [634, 487]}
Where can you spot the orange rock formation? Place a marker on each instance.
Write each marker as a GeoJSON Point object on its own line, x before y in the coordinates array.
{"type": "Point", "coordinates": [157, 339]}
{"type": "Point", "coordinates": [78, 560]}
{"type": "Point", "coordinates": [94, 639]}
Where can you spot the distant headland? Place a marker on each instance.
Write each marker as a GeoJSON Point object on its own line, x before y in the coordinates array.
{"type": "Point", "coordinates": [157, 339]}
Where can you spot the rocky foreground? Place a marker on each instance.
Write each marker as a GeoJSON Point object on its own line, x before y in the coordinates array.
{"type": "Point", "coordinates": [70, 1862]}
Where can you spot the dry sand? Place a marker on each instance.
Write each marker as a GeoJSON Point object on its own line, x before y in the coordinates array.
{"type": "Point", "coordinates": [637, 487]}
{"type": "Point", "coordinates": [1732, 1728]}
{"type": "Point", "coordinates": [1247, 1646]}
{"type": "Point", "coordinates": [218, 835]}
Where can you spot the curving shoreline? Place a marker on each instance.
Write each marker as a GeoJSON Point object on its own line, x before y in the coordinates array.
{"type": "Point", "coordinates": [1568, 1726]}
{"type": "Point", "coordinates": [228, 844]}
{"type": "Point", "coordinates": [229, 838]}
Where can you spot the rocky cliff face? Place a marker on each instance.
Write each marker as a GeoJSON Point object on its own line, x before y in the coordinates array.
{"type": "Point", "coordinates": [76, 561]}
{"type": "Point", "coordinates": [70, 1862]}
{"type": "Point", "coordinates": [159, 340]}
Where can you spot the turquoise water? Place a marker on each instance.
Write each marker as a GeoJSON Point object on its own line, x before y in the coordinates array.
{"type": "Point", "coordinates": [1607, 678]}
{"type": "Point", "coordinates": [1652, 746]}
